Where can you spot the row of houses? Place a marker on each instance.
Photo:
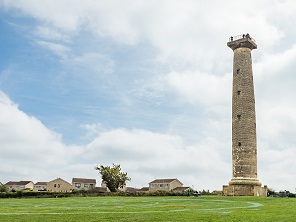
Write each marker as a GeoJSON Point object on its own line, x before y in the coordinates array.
{"type": "Point", "coordinates": [56, 185]}
{"type": "Point", "coordinates": [60, 185]}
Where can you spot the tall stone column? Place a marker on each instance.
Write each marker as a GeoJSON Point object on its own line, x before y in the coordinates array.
{"type": "Point", "coordinates": [244, 180]}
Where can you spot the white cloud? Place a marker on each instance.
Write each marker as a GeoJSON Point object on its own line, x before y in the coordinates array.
{"type": "Point", "coordinates": [93, 130]}
{"type": "Point", "coordinates": [177, 30]}
{"type": "Point", "coordinates": [59, 49]}
{"type": "Point", "coordinates": [28, 148]}
{"type": "Point", "coordinates": [146, 155]}
{"type": "Point", "coordinates": [201, 88]}
{"type": "Point", "coordinates": [48, 33]}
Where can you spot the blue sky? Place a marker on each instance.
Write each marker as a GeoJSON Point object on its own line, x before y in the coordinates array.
{"type": "Point", "coordinates": [143, 84]}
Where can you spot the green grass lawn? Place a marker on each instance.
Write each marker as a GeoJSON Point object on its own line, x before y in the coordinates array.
{"type": "Point", "coordinates": [204, 208]}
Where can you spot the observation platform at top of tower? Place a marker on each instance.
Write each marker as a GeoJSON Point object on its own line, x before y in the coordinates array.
{"type": "Point", "coordinates": [239, 41]}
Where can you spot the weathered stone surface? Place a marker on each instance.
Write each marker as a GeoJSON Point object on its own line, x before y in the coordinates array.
{"type": "Point", "coordinates": [244, 180]}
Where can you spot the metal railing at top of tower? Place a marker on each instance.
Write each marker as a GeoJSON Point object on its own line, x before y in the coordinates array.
{"type": "Point", "coordinates": [233, 38]}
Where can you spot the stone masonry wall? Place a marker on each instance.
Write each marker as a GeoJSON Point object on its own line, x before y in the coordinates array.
{"type": "Point", "coordinates": [244, 148]}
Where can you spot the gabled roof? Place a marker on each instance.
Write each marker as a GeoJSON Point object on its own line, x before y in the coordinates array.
{"type": "Point", "coordinates": [144, 189]}
{"type": "Point", "coordinates": [165, 181]}
{"type": "Point", "coordinates": [18, 183]}
{"type": "Point", "coordinates": [61, 180]}
{"type": "Point", "coordinates": [24, 182]}
{"type": "Point", "coordinates": [180, 189]}
{"type": "Point", "coordinates": [83, 180]}
{"type": "Point", "coordinates": [131, 189]}
{"type": "Point", "coordinates": [101, 189]}
{"type": "Point", "coordinates": [10, 183]}
{"type": "Point", "coordinates": [41, 183]}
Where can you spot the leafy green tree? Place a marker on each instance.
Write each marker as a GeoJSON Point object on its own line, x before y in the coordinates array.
{"type": "Point", "coordinates": [3, 188]}
{"type": "Point", "coordinates": [113, 176]}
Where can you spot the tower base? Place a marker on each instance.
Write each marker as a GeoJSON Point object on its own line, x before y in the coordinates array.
{"type": "Point", "coordinates": [244, 187]}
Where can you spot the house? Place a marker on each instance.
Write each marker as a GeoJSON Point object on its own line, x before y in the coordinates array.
{"type": "Point", "coordinates": [164, 184]}
{"type": "Point", "coordinates": [40, 186]}
{"type": "Point", "coordinates": [101, 189]}
{"type": "Point", "coordinates": [144, 189]}
{"type": "Point", "coordinates": [83, 184]}
{"type": "Point", "coordinates": [182, 189]}
{"type": "Point", "coordinates": [59, 185]}
{"type": "Point", "coordinates": [19, 185]}
{"type": "Point", "coordinates": [131, 189]}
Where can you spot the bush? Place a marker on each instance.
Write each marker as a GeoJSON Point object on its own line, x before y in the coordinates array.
{"type": "Point", "coordinates": [3, 188]}
{"type": "Point", "coordinates": [83, 193]}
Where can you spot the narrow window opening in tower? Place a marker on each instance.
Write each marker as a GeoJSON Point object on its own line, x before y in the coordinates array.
{"type": "Point", "coordinates": [238, 93]}
{"type": "Point", "coordinates": [237, 71]}
{"type": "Point", "coordinates": [238, 117]}
{"type": "Point", "coordinates": [239, 143]}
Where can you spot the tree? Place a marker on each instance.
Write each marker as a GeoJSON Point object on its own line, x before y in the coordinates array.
{"type": "Point", "coordinates": [3, 188]}
{"type": "Point", "coordinates": [113, 176]}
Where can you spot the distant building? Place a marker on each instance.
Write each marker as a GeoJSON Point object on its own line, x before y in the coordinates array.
{"type": "Point", "coordinates": [59, 185]}
{"type": "Point", "coordinates": [40, 186]}
{"type": "Point", "coordinates": [131, 189]}
{"type": "Point", "coordinates": [101, 189]}
{"type": "Point", "coordinates": [83, 184]}
{"type": "Point", "coordinates": [144, 189]}
{"type": "Point", "coordinates": [19, 185]}
{"type": "Point", "coordinates": [164, 184]}
{"type": "Point", "coordinates": [182, 189]}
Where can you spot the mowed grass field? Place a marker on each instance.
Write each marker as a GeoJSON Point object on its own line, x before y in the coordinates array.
{"type": "Point", "coordinates": [204, 208]}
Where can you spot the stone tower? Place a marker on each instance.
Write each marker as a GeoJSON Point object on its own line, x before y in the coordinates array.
{"type": "Point", "coordinates": [244, 180]}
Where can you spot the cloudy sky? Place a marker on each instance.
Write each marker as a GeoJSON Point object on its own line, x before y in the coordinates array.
{"type": "Point", "coordinates": [144, 84]}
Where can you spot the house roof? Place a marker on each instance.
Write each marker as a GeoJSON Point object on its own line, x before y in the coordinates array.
{"type": "Point", "coordinates": [180, 189]}
{"type": "Point", "coordinates": [101, 189]}
{"type": "Point", "coordinates": [83, 180]}
{"type": "Point", "coordinates": [144, 189]}
{"type": "Point", "coordinates": [131, 189]}
{"type": "Point", "coordinates": [61, 180]}
{"type": "Point", "coordinates": [19, 183]}
{"type": "Point", "coordinates": [11, 183]}
{"type": "Point", "coordinates": [24, 182]}
{"type": "Point", "coordinates": [41, 183]}
{"type": "Point", "coordinates": [165, 181]}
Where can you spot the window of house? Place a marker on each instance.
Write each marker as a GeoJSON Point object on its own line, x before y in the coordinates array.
{"type": "Point", "coordinates": [238, 117]}
{"type": "Point", "coordinates": [160, 185]}
{"type": "Point", "coordinates": [237, 71]}
{"type": "Point", "coordinates": [54, 185]}
{"type": "Point", "coordinates": [59, 185]}
{"type": "Point", "coordinates": [167, 185]}
{"type": "Point", "coordinates": [239, 143]}
{"type": "Point", "coordinates": [238, 93]}
{"type": "Point", "coordinates": [152, 185]}
{"type": "Point", "coordinates": [78, 185]}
